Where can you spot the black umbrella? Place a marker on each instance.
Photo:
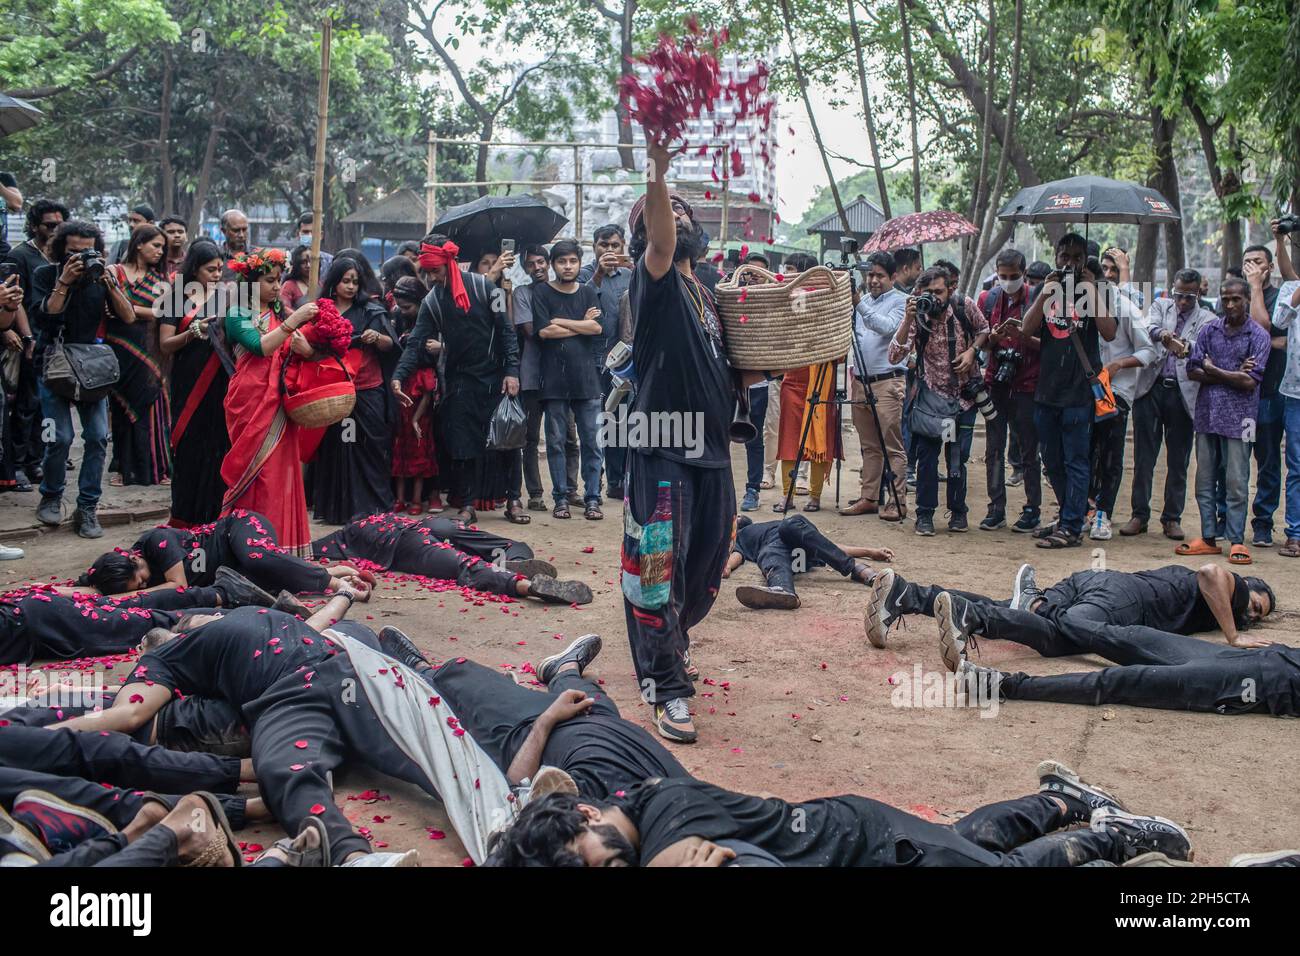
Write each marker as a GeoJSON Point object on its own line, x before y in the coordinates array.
{"type": "Point", "coordinates": [17, 115]}
{"type": "Point", "coordinates": [1089, 199]}
{"type": "Point", "coordinates": [479, 226]}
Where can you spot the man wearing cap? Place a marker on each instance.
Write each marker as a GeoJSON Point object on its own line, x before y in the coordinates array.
{"type": "Point", "coordinates": [680, 501]}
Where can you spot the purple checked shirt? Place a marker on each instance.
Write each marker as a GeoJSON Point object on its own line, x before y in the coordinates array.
{"type": "Point", "coordinates": [1222, 409]}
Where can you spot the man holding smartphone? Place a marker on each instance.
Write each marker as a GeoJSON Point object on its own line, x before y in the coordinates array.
{"type": "Point", "coordinates": [610, 275]}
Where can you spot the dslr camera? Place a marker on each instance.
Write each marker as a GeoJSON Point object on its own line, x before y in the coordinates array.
{"type": "Point", "coordinates": [92, 264]}
{"type": "Point", "coordinates": [928, 305]}
{"type": "Point", "coordinates": [973, 389]}
{"type": "Point", "coordinates": [1288, 224]}
{"type": "Point", "coordinates": [1008, 364]}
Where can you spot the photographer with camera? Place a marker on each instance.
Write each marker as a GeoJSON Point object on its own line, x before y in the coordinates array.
{"type": "Point", "coordinates": [74, 295]}
{"type": "Point", "coordinates": [1069, 318]}
{"type": "Point", "coordinates": [947, 335]}
{"type": "Point", "coordinates": [1012, 378]}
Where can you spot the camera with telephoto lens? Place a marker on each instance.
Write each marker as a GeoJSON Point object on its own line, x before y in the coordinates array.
{"type": "Point", "coordinates": [1008, 363]}
{"type": "Point", "coordinates": [92, 264]}
{"type": "Point", "coordinates": [974, 390]}
{"type": "Point", "coordinates": [1288, 224]}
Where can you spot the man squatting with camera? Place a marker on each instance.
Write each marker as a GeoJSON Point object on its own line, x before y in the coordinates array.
{"type": "Point", "coordinates": [73, 295]}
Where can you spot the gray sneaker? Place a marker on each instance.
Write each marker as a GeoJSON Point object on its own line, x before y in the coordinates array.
{"type": "Point", "coordinates": [86, 522]}
{"type": "Point", "coordinates": [50, 510]}
{"type": "Point", "coordinates": [1055, 778]}
{"type": "Point", "coordinates": [957, 624]}
{"type": "Point", "coordinates": [1026, 590]}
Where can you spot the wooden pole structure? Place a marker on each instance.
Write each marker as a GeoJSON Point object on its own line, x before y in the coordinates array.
{"type": "Point", "coordinates": [322, 129]}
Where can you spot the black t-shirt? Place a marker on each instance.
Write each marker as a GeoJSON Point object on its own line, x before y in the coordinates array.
{"type": "Point", "coordinates": [237, 658]}
{"type": "Point", "coordinates": [681, 369]}
{"type": "Point", "coordinates": [750, 539]}
{"type": "Point", "coordinates": [1275, 368]}
{"type": "Point", "coordinates": [161, 548]}
{"type": "Point", "coordinates": [28, 259]}
{"type": "Point", "coordinates": [1172, 600]}
{"type": "Point", "coordinates": [835, 831]}
{"type": "Point", "coordinates": [569, 365]}
{"type": "Point", "coordinates": [1062, 382]}
{"type": "Point", "coordinates": [83, 312]}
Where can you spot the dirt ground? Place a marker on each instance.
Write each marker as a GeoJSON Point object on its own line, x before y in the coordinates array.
{"type": "Point", "coordinates": [798, 704]}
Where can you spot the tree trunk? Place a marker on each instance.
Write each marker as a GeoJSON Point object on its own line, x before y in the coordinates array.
{"type": "Point", "coordinates": [1164, 179]}
{"type": "Point", "coordinates": [868, 115]}
{"type": "Point", "coordinates": [980, 200]}
{"type": "Point", "coordinates": [911, 106]}
{"type": "Point", "coordinates": [205, 171]}
{"type": "Point", "coordinates": [812, 117]}
{"type": "Point", "coordinates": [626, 155]}
{"type": "Point", "coordinates": [480, 163]}
{"type": "Point", "coordinates": [987, 241]}
{"type": "Point", "coordinates": [166, 174]}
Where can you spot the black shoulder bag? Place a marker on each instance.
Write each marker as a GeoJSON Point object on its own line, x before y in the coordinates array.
{"type": "Point", "coordinates": [82, 372]}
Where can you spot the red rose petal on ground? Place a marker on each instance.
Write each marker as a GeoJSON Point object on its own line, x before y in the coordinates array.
{"type": "Point", "coordinates": [316, 809]}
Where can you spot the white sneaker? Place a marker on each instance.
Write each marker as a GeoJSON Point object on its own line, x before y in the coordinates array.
{"type": "Point", "coordinates": [10, 554]}
{"type": "Point", "coordinates": [409, 858]}
{"type": "Point", "coordinates": [1100, 527]}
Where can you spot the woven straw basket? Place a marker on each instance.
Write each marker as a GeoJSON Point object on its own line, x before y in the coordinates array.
{"type": "Point", "coordinates": [804, 320]}
{"type": "Point", "coordinates": [322, 406]}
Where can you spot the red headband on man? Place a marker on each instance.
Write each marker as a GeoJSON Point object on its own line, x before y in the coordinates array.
{"type": "Point", "coordinates": [445, 255]}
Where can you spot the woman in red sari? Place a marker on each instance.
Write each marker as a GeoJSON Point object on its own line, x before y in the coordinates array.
{"type": "Point", "coordinates": [262, 470]}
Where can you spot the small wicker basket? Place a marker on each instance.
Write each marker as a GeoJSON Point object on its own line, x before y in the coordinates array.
{"type": "Point", "coordinates": [786, 323]}
{"type": "Point", "coordinates": [322, 406]}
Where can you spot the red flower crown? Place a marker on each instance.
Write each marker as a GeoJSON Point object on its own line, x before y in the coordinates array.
{"type": "Point", "coordinates": [255, 264]}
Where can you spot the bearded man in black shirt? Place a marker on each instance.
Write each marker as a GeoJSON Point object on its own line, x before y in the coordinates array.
{"type": "Point", "coordinates": [680, 500]}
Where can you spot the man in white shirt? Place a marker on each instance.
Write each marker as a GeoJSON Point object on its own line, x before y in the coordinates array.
{"type": "Point", "coordinates": [1285, 313]}
{"type": "Point", "coordinates": [876, 317]}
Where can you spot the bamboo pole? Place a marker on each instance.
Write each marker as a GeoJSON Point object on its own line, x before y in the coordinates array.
{"type": "Point", "coordinates": [322, 129]}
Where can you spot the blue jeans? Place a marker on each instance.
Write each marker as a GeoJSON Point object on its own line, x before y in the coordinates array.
{"type": "Point", "coordinates": [754, 447]}
{"type": "Point", "coordinates": [586, 414]}
{"type": "Point", "coordinates": [1233, 456]}
{"type": "Point", "coordinates": [1292, 419]}
{"type": "Point", "coordinates": [94, 433]}
{"type": "Point", "coordinates": [927, 467]}
{"type": "Point", "coordinates": [1269, 425]}
{"type": "Point", "coordinates": [1065, 440]}
{"type": "Point", "coordinates": [615, 458]}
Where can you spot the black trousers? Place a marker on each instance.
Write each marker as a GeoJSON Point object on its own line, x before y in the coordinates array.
{"type": "Point", "coordinates": [1108, 440]}
{"type": "Point", "coordinates": [1161, 415]}
{"type": "Point", "coordinates": [1015, 418]}
{"type": "Point", "coordinates": [799, 545]}
{"type": "Point", "coordinates": [482, 544]}
{"type": "Point", "coordinates": [337, 725]}
{"type": "Point", "coordinates": [244, 542]}
{"type": "Point", "coordinates": [702, 509]}
{"type": "Point", "coordinates": [1169, 672]}
{"type": "Point", "coordinates": [116, 759]}
{"type": "Point", "coordinates": [499, 715]}
{"type": "Point", "coordinates": [1026, 831]}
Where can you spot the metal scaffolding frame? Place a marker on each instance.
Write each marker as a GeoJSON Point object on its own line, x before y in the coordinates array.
{"type": "Point", "coordinates": [431, 176]}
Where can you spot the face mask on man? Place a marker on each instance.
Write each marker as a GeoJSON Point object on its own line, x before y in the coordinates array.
{"type": "Point", "coordinates": [1011, 286]}
{"type": "Point", "coordinates": [304, 239]}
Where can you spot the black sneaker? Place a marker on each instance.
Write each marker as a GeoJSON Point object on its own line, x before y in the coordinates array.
{"type": "Point", "coordinates": [554, 591]}
{"type": "Point", "coordinates": [957, 621]}
{"type": "Point", "coordinates": [50, 510]}
{"type": "Point", "coordinates": [1026, 590]}
{"type": "Point", "coordinates": [765, 598]}
{"type": "Point", "coordinates": [1262, 539]}
{"type": "Point", "coordinates": [993, 520]}
{"type": "Point", "coordinates": [615, 492]}
{"type": "Point", "coordinates": [237, 591]}
{"type": "Point", "coordinates": [925, 526]}
{"type": "Point", "coordinates": [1056, 778]}
{"type": "Point", "coordinates": [882, 606]}
{"type": "Point", "coordinates": [21, 482]}
{"type": "Point", "coordinates": [981, 683]}
{"type": "Point", "coordinates": [1289, 858]}
{"type": "Point", "coordinates": [1027, 523]}
{"type": "Point", "coordinates": [401, 649]}
{"type": "Point", "coordinates": [527, 567]}
{"type": "Point", "coordinates": [957, 524]}
{"type": "Point", "coordinates": [582, 652]}
{"type": "Point", "coordinates": [19, 844]}
{"type": "Point", "coordinates": [1045, 531]}
{"type": "Point", "coordinates": [1143, 834]}
{"type": "Point", "coordinates": [86, 523]}
{"type": "Point", "coordinates": [289, 604]}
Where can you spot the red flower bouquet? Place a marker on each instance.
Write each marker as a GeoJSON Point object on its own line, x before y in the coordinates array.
{"type": "Point", "coordinates": [252, 265]}
{"type": "Point", "coordinates": [329, 331]}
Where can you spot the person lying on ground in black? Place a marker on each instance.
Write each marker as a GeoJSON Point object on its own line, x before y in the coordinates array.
{"type": "Point", "coordinates": [243, 541]}
{"type": "Point", "coordinates": [447, 550]}
{"type": "Point", "coordinates": [38, 622]}
{"type": "Point", "coordinates": [1172, 599]}
{"type": "Point", "coordinates": [782, 549]}
{"type": "Point", "coordinates": [676, 822]}
{"type": "Point", "coordinates": [1155, 668]}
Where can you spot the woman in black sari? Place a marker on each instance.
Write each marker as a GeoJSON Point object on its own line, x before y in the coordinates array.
{"type": "Point", "coordinates": [351, 471]}
{"type": "Point", "coordinates": [199, 377]}
{"type": "Point", "coordinates": [138, 409]}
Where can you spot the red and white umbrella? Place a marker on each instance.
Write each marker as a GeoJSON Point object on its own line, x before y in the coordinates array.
{"type": "Point", "coordinates": [919, 227]}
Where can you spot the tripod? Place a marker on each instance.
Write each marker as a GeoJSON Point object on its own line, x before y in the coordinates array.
{"type": "Point", "coordinates": [887, 476]}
